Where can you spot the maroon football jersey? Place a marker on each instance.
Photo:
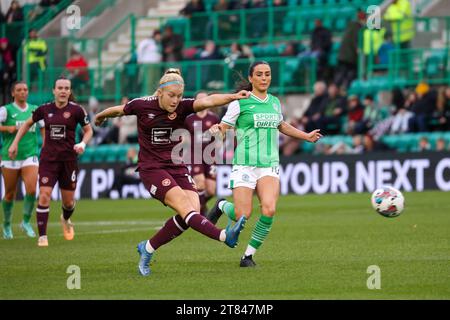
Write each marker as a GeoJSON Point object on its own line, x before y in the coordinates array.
{"type": "Point", "coordinates": [60, 127]}
{"type": "Point", "coordinates": [197, 126]}
{"type": "Point", "coordinates": [155, 128]}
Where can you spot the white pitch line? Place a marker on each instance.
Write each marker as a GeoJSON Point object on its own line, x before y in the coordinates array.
{"type": "Point", "coordinates": [102, 232]}
{"type": "Point", "coordinates": [111, 223]}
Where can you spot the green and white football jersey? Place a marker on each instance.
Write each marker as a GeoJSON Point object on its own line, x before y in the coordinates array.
{"type": "Point", "coordinates": [13, 115]}
{"type": "Point", "coordinates": [256, 123]}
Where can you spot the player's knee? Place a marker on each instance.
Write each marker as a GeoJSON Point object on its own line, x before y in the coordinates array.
{"type": "Point", "coordinates": [44, 198]}
{"type": "Point", "coordinates": [9, 195]}
{"type": "Point", "coordinates": [268, 209]}
{"type": "Point", "coordinates": [69, 204]}
{"type": "Point", "coordinates": [240, 213]}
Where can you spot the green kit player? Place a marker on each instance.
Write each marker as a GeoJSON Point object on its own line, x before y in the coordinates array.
{"type": "Point", "coordinates": [25, 165]}
{"type": "Point", "coordinates": [256, 121]}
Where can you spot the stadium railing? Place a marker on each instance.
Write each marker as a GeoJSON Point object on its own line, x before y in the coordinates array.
{"type": "Point", "coordinates": [427, 30]}
{"type": "Point", "coordinates": [133, 80]}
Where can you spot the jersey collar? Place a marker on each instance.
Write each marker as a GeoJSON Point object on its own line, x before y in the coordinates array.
{"type": "Point", "coordinates": [19, 108]}
{"type": "Point", "coordinates": [260, 100]}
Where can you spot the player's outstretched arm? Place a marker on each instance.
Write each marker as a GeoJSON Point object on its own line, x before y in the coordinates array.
{"type": "Point", "coordinates": [293, 132]}
{"type": "Point", "coordinates": [12, 151]}
{"type": "Point", "coordinates": [217, 100]}
{"type": "Point", "coordinates": [111, 112]}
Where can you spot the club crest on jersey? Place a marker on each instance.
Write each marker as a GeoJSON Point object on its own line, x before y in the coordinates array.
{"type": "Point", "coordinates": [66, 115]}
{"type": "Point", "coordinates": [172, 116]}
{"type": "Point", "coordinates": [44, 180]}
{"type": "Point", "coordinates": [275, 107]}
{"type": "Point", "coordinates": [166, 182]}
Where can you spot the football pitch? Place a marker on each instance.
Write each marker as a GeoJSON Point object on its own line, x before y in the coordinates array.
{"type": "Point", "coordinates": [320, 247]}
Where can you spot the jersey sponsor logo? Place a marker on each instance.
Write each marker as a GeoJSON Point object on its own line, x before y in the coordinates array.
{"type": "Point", "coordinates": [266, 120]}
{"type": "Point", "coordinates": [86, 119]}
{"type": "Point", "coordinates": [166, 182]}
{"type": "Point", "coordinates": [153, 189]}
{"type": "Point", "coordinates": [66, 115]}
{"type": "Point", "coordinates": [161, 135]}
{"type": "Point", "coordinates": [14, 115]}
{"type": "Point", "coordinates": [172, 116]}
{"type": "Point", "coordinates": [151, 115]}
{"type": "Point", "coordinates": [252, 107]}
{"type": "Point", "coordinates": [57, 132]}
{"type": "Point", "coordinates": [50, 115]}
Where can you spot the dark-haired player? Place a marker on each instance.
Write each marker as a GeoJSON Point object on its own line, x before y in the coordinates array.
{"type": "Point", "coordinates": [203, 171]}
{"type": "Point", "coordinates": [58, 156]}
{"type": "Point", "coordinates": [168, 180]}
{"type": "Point", "coordinates": [26, 163]}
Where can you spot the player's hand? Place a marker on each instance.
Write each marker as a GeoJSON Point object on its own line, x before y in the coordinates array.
{"type": "Point", "coordinates": [99, 120]}
{"type": "Point", "coordinates": [12, 129]}
{"type": "Point", "coordinates": [12, 151]}
{"type": "Point", "coordinates": [215, 129]}
{"type": "Point", "coordinates": [243, 94]}
{"type": "Point", "coordinates": [314, 135]}
{"type": "Point", "coordinates": [79, 147]}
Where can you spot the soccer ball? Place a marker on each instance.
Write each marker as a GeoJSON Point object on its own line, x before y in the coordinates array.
{"type": "Point", "coordinates": [388, 201]}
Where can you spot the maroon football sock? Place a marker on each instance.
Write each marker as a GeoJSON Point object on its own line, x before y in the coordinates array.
{"type": "Point", "coordinates": [202, 197]}
{"type": "Point", "coordinates": [42, 219]}
{"type": "Point", "coordinates": [202, 225]}
{"type": "Point", "coordinates": [171, 229]}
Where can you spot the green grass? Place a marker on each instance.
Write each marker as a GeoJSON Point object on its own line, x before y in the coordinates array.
{"type": "Point", "coordinates": [319, 248]}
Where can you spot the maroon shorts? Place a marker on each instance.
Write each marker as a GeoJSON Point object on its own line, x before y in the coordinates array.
{"type": "Point", "coordinates": [64, 172]}
{"type": "Point", "coordinates": [159, 181]}
{"type": "Point", "coordinates": [208, 170]}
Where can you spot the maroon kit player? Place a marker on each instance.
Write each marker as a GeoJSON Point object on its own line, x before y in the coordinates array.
{"type": "Point", "coordinates": [58, 162]}
{"type": "Point", "coordinates": [168, 180]}
{"type": "Point", "coordinates": [203, 171]}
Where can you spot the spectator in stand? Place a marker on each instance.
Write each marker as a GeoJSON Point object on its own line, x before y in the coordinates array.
{"type": "Point", "coordinates": [442, 113]}
{"type": "Point", "coordinates": [7, 68]}
{"type": "Point", "coordinates": [357, 147]}
{"type": "Point", "coordinates": [399, 14]}
{"type": "Point", "coordinates": [172, 45]}
{"type": "Point", "coordinates": [149, 52]}
{"type": "Point", "coordinates": [291, 49]}
{"type": "Point", "coordinates": [422, 109]}
{"type": "Point", "coordinates": [383, 52]}
{"type": "Point", "coordinates": [14, 13]}
{"type": "Point", "coordinates": [440, 145]}
{"type": "Point", "coordinates": [315, 108]}
{"type": "Point", "coordinates": [321, 43]}
{"type": "Point", "coordinates": [402, 115]}
{"type": "Point", "coordinates": [348, 52]}
{"type": "Point", "coordinates": [236, 52]}
{"type": "Point", "coordinates": [77, 66]}
{"type": "Point", "coordinates": [36, 52]}
{"type": "Point", "coordinates": [334, 108]}
{"type": "Point", "coordinates": [424, 145]}
{"type": "Point", "coordinates": [193, 6]}
{"type": "Point", "coordinates": [372, 115]}
{"type": "Point", "coordinates": [355, 114]}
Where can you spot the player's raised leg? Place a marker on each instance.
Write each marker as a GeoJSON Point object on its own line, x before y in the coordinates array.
{"type": "Point", "coordinates": [29, 177]}
{"type": "Point", "coordinates": [267, 189]}
{"type": "Point", "coordinates": [241, 206]}
{"type": "Point", "coordinates": [10, 177]}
